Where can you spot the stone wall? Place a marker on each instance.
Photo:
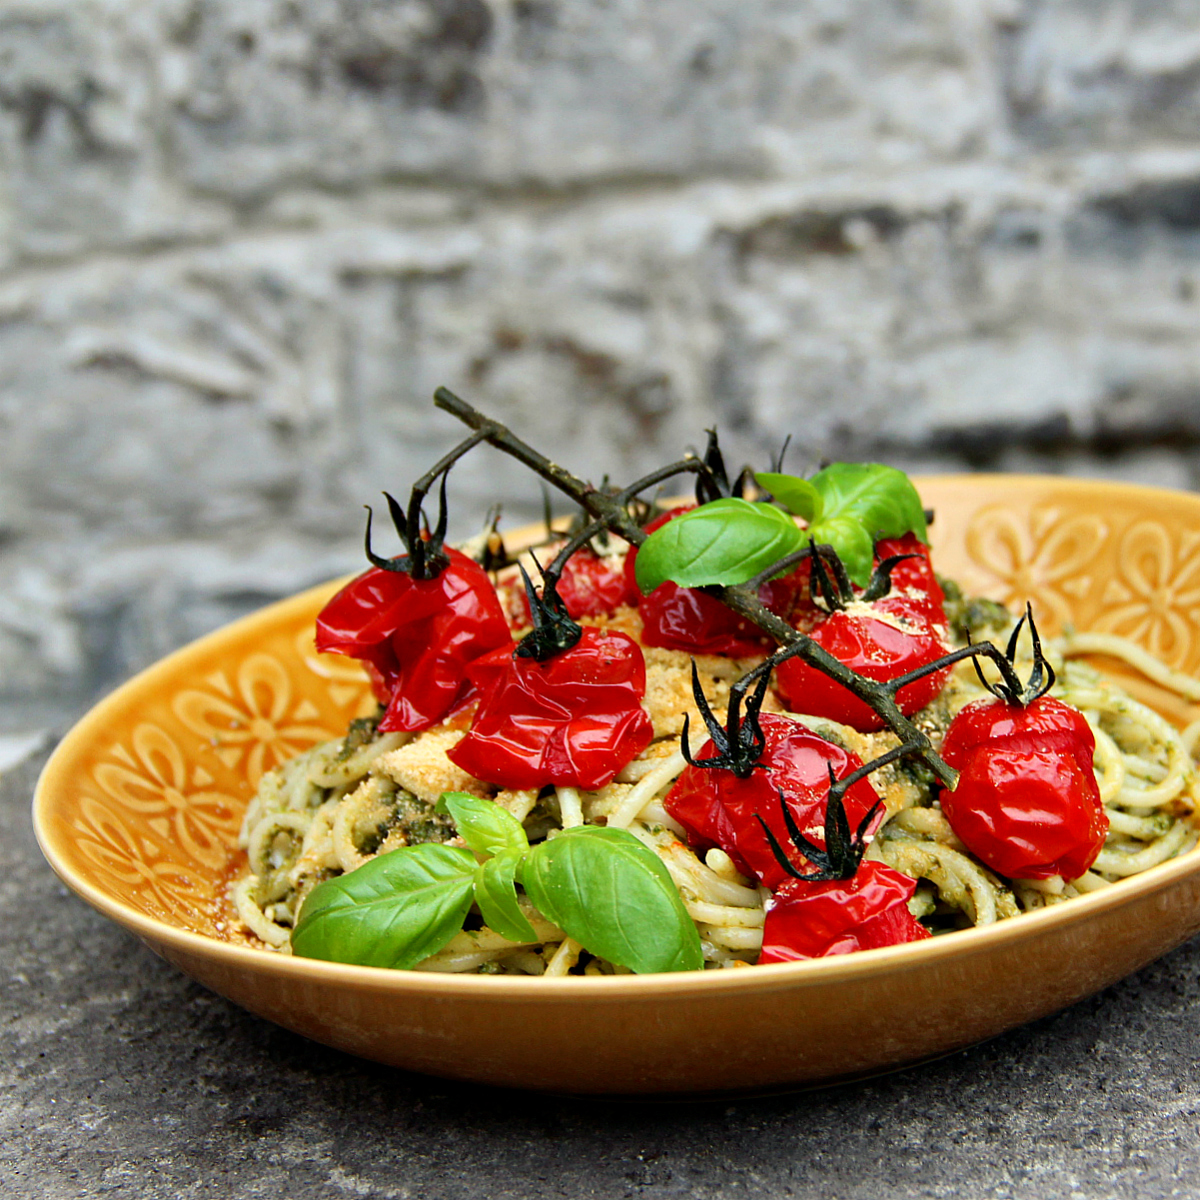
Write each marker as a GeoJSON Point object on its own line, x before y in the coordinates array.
{"type": "Point", "coordinates": [242, 242]}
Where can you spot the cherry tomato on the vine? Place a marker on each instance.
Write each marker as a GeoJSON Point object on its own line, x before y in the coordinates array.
{"type": "Point", "coordinates": [880, 648]}
{"type": "Point", "coordinates": [717, 808]}
{"type": "Point", "coordinates": [901, 631]}
{"type": "Point", "coordinates": [573, 720]}
{"type": "Point", "coordinates": [839, 916]}
{"type": "Point", "coordinates": [1027, 803]}
{"type": "Point", "coordinates": [416, 637]}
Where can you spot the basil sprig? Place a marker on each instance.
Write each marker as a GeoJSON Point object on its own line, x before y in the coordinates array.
{"type": "Point", "coordinates": [356, 918]}
{"type": "Point", "coordinates": [725, 541]}
{"type": "Point", "coordinates": [496, 895]}
{"type": "Point", "coordinates": [601, 886]}
{"type": "Point", "coordinates": [483, 824]}
{"type": "Point", "coordinates": [729, 541]}
{"type": "Point", "coordinates": [614, 897]}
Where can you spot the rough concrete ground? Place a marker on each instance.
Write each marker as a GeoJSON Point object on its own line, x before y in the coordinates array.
{"type": "Point", "coordinates": [118, 1076]}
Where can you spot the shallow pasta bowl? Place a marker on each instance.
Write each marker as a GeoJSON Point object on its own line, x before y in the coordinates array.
{"type": "Point", "coordinates": [138, 811]}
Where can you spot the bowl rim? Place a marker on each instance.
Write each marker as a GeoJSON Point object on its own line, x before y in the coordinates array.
{"type": "Point", "coordinates": [811, 973]}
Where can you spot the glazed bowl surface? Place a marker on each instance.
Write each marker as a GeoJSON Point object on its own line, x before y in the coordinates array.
{"type": "Point", "coordinates": [139, 807]}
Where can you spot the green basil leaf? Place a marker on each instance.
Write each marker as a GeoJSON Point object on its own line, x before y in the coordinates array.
{"type": "Point", "coordinates": [483, 824]}
{"type": "Point", "coordinates": [725, 541]}
{"type": "Point", "coordinates": [613, 896]}
{"type": "Point", "coordinates": [393, 911]}
{"type": "Point", "coordinates": [795, 494]}
{"type": "Point", "coordinates": [496, 896]}
{"type": "Point", "coordinates": [881, 501]}
{"type": "Point", "coordinates": [881, 498]}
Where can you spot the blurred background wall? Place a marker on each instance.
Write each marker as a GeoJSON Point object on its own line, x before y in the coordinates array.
{"type": "Point", "coordinates": [241, 241]}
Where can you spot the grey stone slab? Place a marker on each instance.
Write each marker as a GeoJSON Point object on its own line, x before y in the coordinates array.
{"type": "Point", "coordinates": [118, 1076]}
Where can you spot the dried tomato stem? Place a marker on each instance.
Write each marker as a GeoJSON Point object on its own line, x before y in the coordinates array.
{"type": "Point", "coordinates": [689, 463]}
{"type": "Point", "coordinates": [594, 501]}
{"type": "Point", "coordinates": [786, 563]}
{"type": "Point", "coordinates": [842, 786]}
{"type": "Point", "coordinates": [741, 599]}
{"type": "Point", "coordinates": [974, 650]}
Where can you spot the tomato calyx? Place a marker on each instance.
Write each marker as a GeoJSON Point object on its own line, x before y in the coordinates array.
{"type": "Point", "coordinates": [554, 630]}
{"type": "Point", "coordinates": [712, 480]}
{"type": "Point", "coordinates": [1009, 687]}
{"type": "Point", "coordinates": [833, 585]}
{"type": "Point", "coordinates": [740, 742]}
{"type": "Point", "coordinates": [844, 849]}
{"type": "Point", "coordinates": [425, 554]}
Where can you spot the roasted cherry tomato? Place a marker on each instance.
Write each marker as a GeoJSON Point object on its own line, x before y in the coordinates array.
{"type": "Point", "coordinates": [574, 719]}
{"type": "Point", "coordinates": [1027, 803]}
{"type": "Point", "coordinates": [839, 916]}
{"type": "Point", "coordinates": [591, 585]}
{"type": "Point", "coordinates": [915, 591]}
{"type": "Point", "coordinates": [687, 619]}
{"type": "Point", "coordinates": [717, 808]}
{"type": "Point", "coordinates": [880, 648]}
{"type": "Point", "coordinates": [881, 638]}
{"type": "Point", "coordinates": [416, 636]}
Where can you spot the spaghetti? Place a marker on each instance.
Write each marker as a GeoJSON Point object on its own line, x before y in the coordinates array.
{"type": "Point", "coordinates": [330, 810]}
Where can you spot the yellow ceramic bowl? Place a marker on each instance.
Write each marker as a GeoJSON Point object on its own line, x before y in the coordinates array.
{"type": "Point", "coordinates": [139, 807]}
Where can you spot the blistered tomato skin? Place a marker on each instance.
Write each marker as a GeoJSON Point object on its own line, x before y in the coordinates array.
{"type": "Point", "coordinates": [1027, 803]}
{"type": "Point", "coordinates": [416, 637]}
{"type": "Point", "coordinates": [592, 585]}
{"type": "Point", "coordinates": [839, 916]}
{"type": "Point", "coordinates": [1028, 813]}
{"type": "Point", "coordinates": [872, 647]}
{"type": "Point", "coordinates": [1043, 721]}
{"type": "Point", "coordinates": [573, 720]}
{"type": "Point", "coordinates": [716, 808]}
{"type": "Point", "coordinates": [687, 619]}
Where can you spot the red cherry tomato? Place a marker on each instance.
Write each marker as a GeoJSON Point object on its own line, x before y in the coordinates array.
{"type": "Point", "coordinates": [838, 916]}
{"type": "Point", "coordinates": [915, 589]}
{"type": "Point", "coordinates": [687, 619]}
{"type": "Point", "coordinates": [874, 647]}
{"type": "Point", "coordinates": [416, 636]}
{"type": "Point", "coordinates": [591, 585]}
{"type": "Point", "coordinates": [1045, 721]}
{"type": "Point", "coordinates": [1027, 803]}
{"type": "Point", "coordinates": [573, 720]}
{"type": "Point", "coordinates": [898, 633]}
{"type": "Point", "coordinates": [716, 808]}
{"type": "Point", "coordinates": [913, 582]}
